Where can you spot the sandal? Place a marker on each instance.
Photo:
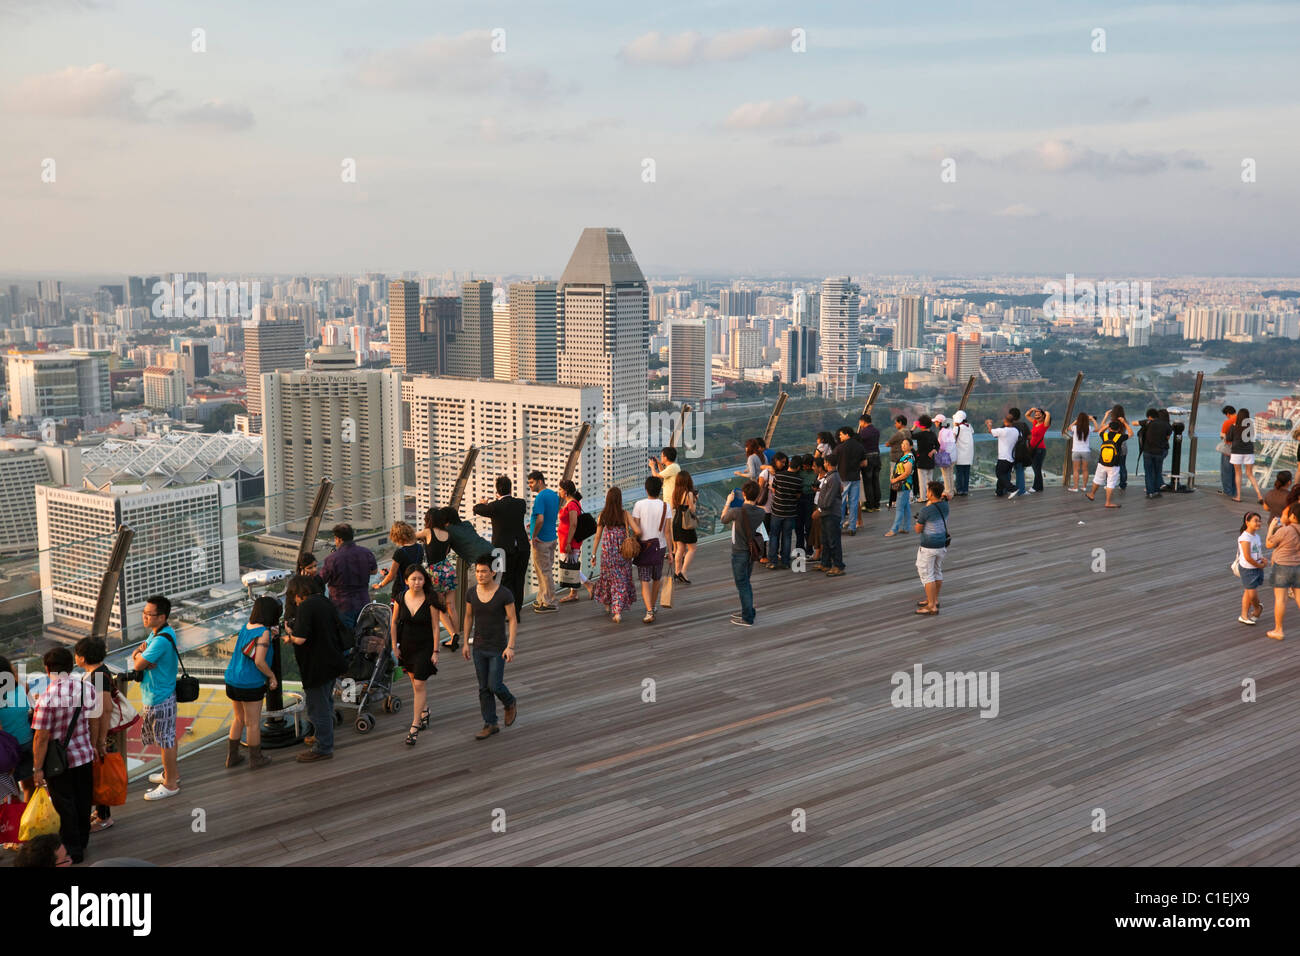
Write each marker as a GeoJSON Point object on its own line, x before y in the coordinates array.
{"type": "Point", "coordinates": [571, 599]}
{"type": "Point", "coordinates": [925, 604]}
{"type": "Point", "coordinates": [926, 611]}
{"type": "Point", "coordinates": [424, 719]}
{"type": "Point", "coordinates": [412, 734]}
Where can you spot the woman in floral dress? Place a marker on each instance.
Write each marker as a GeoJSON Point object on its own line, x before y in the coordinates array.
{"type": "Point", "coordinates": [614, 587]}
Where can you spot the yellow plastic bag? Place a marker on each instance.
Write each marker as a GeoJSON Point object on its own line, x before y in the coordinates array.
{"type": "Point", "coordinates": [40, 817]}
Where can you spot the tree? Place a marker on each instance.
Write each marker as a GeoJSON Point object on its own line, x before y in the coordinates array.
{"type": "Point", "coordinates": [223, 419]}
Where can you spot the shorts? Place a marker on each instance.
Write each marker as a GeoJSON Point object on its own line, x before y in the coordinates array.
{"type": "Point", "coordinates": [929, 564]}
{"type": "Point", "coordinates": [246, 695]}
{"type": "Point", "coordinates": [1251, 578]}
{"type": "Point", "coordinates": [1283, 575]}
{"type": "Point", "coordinates": [1107, 475]}
{"type": "Point", "coordinates": [1242, 459]}
{"type": "Point", "coordinates": [1080, 455]}
{"type": "Point", "coordinates": [158, 728]}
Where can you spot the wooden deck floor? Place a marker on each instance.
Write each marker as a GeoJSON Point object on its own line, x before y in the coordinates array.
{"type": "Point", "coordinates": [1119, 690]}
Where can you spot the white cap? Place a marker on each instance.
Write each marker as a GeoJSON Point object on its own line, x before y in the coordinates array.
{"type": "Point", "coordinates": [959, 417]}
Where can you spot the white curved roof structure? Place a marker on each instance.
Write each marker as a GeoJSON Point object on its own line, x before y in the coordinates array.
{"type": "Point", "coordinates": [174, 459]}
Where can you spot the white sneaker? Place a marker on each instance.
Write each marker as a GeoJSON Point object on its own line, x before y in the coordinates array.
{"type": "Point", "coordinates": [157, 777]}
{"type": "Point", "coordinates": [1011, 494]}
{"type": "Point", "coordinates": [1031, 491]}
{"type": "Point", "coordinates": [1246, 620]}
{"type": "Point", "coordinates": [161, 792]}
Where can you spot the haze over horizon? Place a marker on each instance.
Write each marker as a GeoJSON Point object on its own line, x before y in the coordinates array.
{"type": "Point", "coordinates": [767, 161]}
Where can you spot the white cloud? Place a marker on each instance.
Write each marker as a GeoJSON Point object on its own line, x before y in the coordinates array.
{"type": "Point", "coordinates": [217, 113]}
{"type": "Point", "coordinates": [825, 138]}
{"type": "Point", "coordinates": [693, 48]}
{"type": "Point", "coordinates": [96, 91]}
{"type": "Point", "coordinates": [458, 64]}
{"type": "Point", "coordinates": [1067, 156]}
{"type": "Point", "coordinates": [791, 111]}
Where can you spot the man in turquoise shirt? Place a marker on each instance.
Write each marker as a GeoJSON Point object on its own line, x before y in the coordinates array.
{"type": "Point", "coordinates": [158, 659]}
{"type": "Point", "coordinates": [546, 509]}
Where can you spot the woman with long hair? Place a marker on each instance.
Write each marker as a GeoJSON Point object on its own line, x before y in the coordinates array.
{"type": "Point", "coordinates": [753, 459]}
{"type": "Point", "coordinates": [248, 677]}
{"type": "Point", "coordinates": [685, 509]}
{"type": "Point", "coordinates": [1241, 436]}
{"type": "Point", "coordinates": [1284, 541]}
{"type": "Point", "coordinates": [613, 587]}
{"type": "Point", "coordinates": [566, 526]}
{"type": "Point", "coordinates": [1250, 564]}
{"type": "Point", "coordinates": [415, 639]}
{"type": "Point", "coordinates": [1080, 450]}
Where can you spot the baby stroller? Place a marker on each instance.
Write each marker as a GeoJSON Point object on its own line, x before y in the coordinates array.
{"type": "Point", "coordinates": [369, 669]}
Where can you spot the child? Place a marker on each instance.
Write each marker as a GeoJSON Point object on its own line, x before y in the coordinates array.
{"type": "Point", "coordinates": [1251, 561]}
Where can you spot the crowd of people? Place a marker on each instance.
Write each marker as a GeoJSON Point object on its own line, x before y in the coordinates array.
{"type": "Point", "coordinates": [789, 513]}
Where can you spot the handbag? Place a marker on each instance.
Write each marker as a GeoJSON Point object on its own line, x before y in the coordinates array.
{"type": "Point", "coordinates": [630, 547]}
{"type": "Point", "coordinates": [570, 573]}
{"type": "Point", "coordinates": [1235, 567]}
{"type": "Point", "coordinates": [755, 549]}
{"type": "Point", "coordinates": [947, 538]}
{"type": "Point", "coordinates": [942, 459]}
{"type": "Point", "coordinates": [11, 817]}
{"type": "Point", "coordinates": [122, 715]}
{"type": "Point", "coordinates": [690, 520]}
{"type": "Point", "coordinates": [9, 752]}
{"type": "Point", "coordinates": [187, 687]}
{"type": "Point", "coordinates": [110, 781]}
{"type": "Point", "coordinates": [651, 550]}
{"type": "Point", "coordinates": [1223, 448]}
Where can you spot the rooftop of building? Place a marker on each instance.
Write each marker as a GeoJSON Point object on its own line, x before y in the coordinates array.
{"type": "Point", "coordinates": [1121, 669]}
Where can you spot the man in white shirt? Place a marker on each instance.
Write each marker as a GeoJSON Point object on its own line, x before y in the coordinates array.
{"type": "Point", "coordinates": [1007, 437]}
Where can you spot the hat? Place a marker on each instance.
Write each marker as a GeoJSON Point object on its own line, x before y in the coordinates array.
{"type": "Point", "coordinates": [959, 417]}
{"type": "Point", "coordinates": [940, 418]}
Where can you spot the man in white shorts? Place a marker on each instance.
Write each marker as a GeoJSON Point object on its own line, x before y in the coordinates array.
{"type": "Point", "coordinates": [1108, 459]}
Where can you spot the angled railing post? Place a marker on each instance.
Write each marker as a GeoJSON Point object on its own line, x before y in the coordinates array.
{"type": "Point", "coordinates": [1065, 430]}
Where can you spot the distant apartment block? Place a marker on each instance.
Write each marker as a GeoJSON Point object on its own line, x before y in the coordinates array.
{"type": "Point", "coordinates": [414, 345]}
{"type": "Point", "coordinates": [533, 326]}
{"type": "Point", "coordinates": [271, 347]}
{"type": "Point", "coordinates": [58, 384]}
{"type": "Point", "coordinates": [470, 351]}
{"type": "Point", "coordinates": [164, 390]}
{"type": "Point", "coordinates": [690, 367]}
{"type": "Point", "coordinates": [839, 335]}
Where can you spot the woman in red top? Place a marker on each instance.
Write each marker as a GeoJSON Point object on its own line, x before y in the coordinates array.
{"type": "Point", "coordinates": [1042, 420]}
{"type": "Point", "coordinates": [568, 550]}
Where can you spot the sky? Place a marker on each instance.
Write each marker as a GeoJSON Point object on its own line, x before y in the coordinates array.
{"type": "Point", "coordinates": [751, 138]}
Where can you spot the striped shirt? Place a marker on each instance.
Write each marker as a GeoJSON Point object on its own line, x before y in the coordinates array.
{"type": "Point", "coordinates": [55, 708]}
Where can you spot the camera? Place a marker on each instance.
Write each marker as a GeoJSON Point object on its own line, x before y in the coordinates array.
{"type": "Point", "coordinates": [132, 675]}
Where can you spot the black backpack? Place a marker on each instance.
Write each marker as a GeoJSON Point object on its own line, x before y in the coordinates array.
{"type": "Point", "coordinates": [1023, 454]}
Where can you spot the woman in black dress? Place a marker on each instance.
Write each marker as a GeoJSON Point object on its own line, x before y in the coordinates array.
{"type": "Point", "coordinates": [415, 639]}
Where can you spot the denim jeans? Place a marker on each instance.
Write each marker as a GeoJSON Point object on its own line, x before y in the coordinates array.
{"type": "Point", "coordinates": [1020, 479]}
{"type": "Point", "coordinates": [1153, 464]}
{"type": "Point", "coordinates": [740, 569]}
{"type": "Point", "coordinates": [1003, 469]}
{"type": "Point", "coordinates": [903, 518]}
{"type": "Point", "coordinates": [802, 519]}
{"type": "Point", "coordinates": [1039, 455]}
{"type": "Point", "coordinates": [1227, 476]}
{"type": "Point", "coordinates": [320, 711]}
{"type": "Point", "coordinates": [851, 499]}
{"type": "Point", "coordinates": [778, 544]}
{"type": "Point", "coordinates": [871, 483]}
{"type": "Point", "coordinates": [962, 474]}
{"type": "Point", "coordinates": [1123, 471]}
{"type": "Point", "coordinates": [832, 552]}
{"type": "Point", "coordinates": [490, 667]}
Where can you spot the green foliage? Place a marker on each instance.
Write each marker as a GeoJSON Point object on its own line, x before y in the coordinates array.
{"type": "Point", "coordinates": [223, 419]}
{"type": "Point", "coordinates": [1277, 359]}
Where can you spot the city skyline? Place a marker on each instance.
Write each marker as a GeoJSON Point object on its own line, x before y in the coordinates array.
{"type": "Point", "coordinates": [765, 160]}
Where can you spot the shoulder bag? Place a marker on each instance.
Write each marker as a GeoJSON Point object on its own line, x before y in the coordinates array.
{"type": "Point", "coordinates": [187, 687]}
{"type": "Point", "coordinates": [690, 520]}
{"type": "Point", "coordinates": [56, 752]}
{"type": "Point", "coordinates": [630, 547]}
{"type": "Point", "coordinates": [755, 549]}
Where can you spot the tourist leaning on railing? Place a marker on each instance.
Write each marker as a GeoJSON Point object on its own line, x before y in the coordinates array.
{"type": "Point", "coordinates": [1241, 439]}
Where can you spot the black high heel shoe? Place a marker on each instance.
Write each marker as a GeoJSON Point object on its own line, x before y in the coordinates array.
{"type": "Point", "coordinates": [412, 734]}
{"type": "Point", "coordinates": [453, 644]}
{"type": "Point", "coordinates": [424, 719]}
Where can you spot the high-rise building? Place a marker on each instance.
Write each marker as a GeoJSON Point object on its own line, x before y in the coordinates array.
{"type": "Point", "coordinates": [332, 358]}
{"type": "Point", "coordinates": [414, 350]}
{"type": "Point", "coordinates": [116, 296]}
{"type": "Point", "coordinates": [471, 347]}
{"type": "Point", "coordinates": [519, 427]}
{"type": "Point", "coordinates": [1139, 331]}
{"type": "Point", "coordinates": [186, 541]}
{"type": "Point", "coordinates": [739, 302]}
{"type": "Point", "coordinates": [839, 334]}
{"type": "Point", "coordinates": [799, 353]}
{"type": "Point", "coordinates": [911, 322]}
{"type": "Point", "coordinates": [962, 359]}
{"type": "Point", "coordinates": [345, 426]}
{"type": "Point", "coordinates": [602, 309]}
{"type": "Point", "coordinates": [505, 366]}
{"type": "Point", "coordinates": [198, 362]}
{"type": "Point", "coordinates": [164, 390]}
{"type": "Point", "coordinates": [58, 384]}
{"type": "Point", "coordinates": [23, 466]}
{"type": "Point", "coordinates": [533, 322]}
{"type": "Point", "coordinates": [690, 369]}
{"type": "Point", "coordinates": [271, 347]}
{"type": "Point", "coordinates": [1204, 324]}
{"type": "Point", "coordinates": [746, 349]}
{"type": "Point", "coordinates": [439, 319]}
